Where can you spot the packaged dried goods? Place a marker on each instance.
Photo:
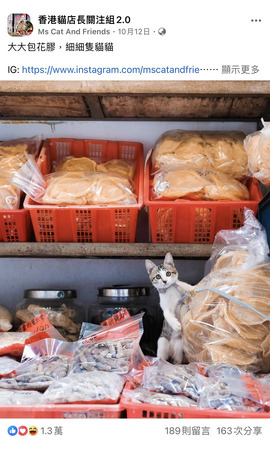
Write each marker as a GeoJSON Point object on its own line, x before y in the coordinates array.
{"type": "Point", "coordinates": [205, 150]}
{"type": "Point", "coordinates": [257, 146]}
{"type": "Point", "coordinates": [87, 188]}
{"type": "Point", "coordinates": [71, 164]}
{"type": "Point", "coordinates": [228, 387]}
{"type": "Point", "coordinates": [7, 365]}
{"type": "Point", "coordinates": [42, 362]}
{"type": "Point", "coordinates": [15, 397]}
{"type": "Point", "coordinates": [13, 342]}
{"type": "Point", "coordinates": [143, 395]}
{"type": "Point", "coordinates": [228, 318]}
{"type": "Point", "coordinates": [171, 379]}
{"type": "Point", "coordinates": [183, 182]}
{"type": "Point", "coordinates": [74, 188]}
{"type": "Point", "coordinates": [87, 387]}
{"type": "Point", "coordinates": [9, 194]}
{"type": "Point", "coordinates": [114, 349]}
{"type": "Point", "coordinates": [242, 247]}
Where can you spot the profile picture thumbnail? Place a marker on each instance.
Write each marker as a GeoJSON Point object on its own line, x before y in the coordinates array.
{"type": "Point", "coordinates": [19, 25]}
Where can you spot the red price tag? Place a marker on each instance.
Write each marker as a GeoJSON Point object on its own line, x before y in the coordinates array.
{"type": "Point", "coordinates": [116, 318]}
{"type": "Point", "coordinates": [37, 324]}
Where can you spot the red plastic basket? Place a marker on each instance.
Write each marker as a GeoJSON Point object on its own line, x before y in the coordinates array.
{"type": "Point", "coordinates": [195, 221]}
{"type": "Point", "coordinates": [15, 225]}
{"type": "Point", "coordinates": [149, 411]}
{"type": "Point", "coordinates": [112, 223]}
{"type": "Point", "coordinates": [65, 411]}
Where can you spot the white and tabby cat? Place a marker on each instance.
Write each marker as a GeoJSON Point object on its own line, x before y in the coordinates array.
{"type": "Point", "coordinates": [172, 293]}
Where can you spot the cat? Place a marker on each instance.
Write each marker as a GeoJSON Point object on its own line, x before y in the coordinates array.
{"type": "Point", "coordinates": [172, 293]}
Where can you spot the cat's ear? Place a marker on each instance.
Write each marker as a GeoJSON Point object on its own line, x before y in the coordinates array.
{"type": "Point", "coordinates": [168, 260]}
{"type": "Point", "coordinates": [150, 266]}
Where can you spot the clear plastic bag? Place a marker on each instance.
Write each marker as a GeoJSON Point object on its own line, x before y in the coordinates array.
{"type": "Point", "coordinates": [42, 362]}
{"type": "Point", "coordinates": [48, 346]}
{"type": "Point", "coordinates": [228, 387]}
{"type": "Point", "coordinates": [88, 188]}
{"type": "Point", "coordinates": [29, 179]}
{"type": "Point", "coordinates": [257, 146]}
{"type": "Point", "coordinates": [171, 379]}
{"type": "Point", "coordinates": [228, 319]}
{"type": "Point", "coordinates": [74, 188]}
{"type": "Point", "coordinates": [114, 349]}
{"type": "Point", "coordinates": [176, 182]}
{"type": "Point", "coordinates": [14, 397]}
{"type": "Point", "coordinates": [84, 164]}
{"type": "Point", "coordinates": [243, 247]}
{"type": "Point", "coordinates": [9, 194]}
{"type": "Point", "coordinates": [14, 147]}
{"type": "Point", "coordinates": [205, 150]}
{"type": "Point", "coordinates": [143, 395]}
{"type": "Point", "coordinates": [7, 365]}
{"type": "Point", "coordinates": [12, 342]}
{"type": "Point", "coordinates": [216, 394]}
{"type": "Point", "coordinates": [90, 387]}
{"type": "Point", "coordinates": [13, 156]}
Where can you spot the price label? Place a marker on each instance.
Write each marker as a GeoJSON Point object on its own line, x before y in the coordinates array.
{"type": "Point", "coordinates": [116, 318]}
{"type": "Point", "coordinates": [37, 324]}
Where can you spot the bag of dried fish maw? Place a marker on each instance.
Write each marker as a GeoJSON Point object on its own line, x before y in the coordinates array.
{"type": "Point", "coordinates": [257, 146]}
{"type": "Point", "coordinates": [228, 318]}
{"type": "Point", "coordinates": [13, 152]}
{"type": "Point", "coordinates": [184, 182]}
{"type": "Point", "coordinates": [88, 188]}
{"type": "Point", "coordinates": [74, 188]}
{"type": "Point", "coordinates": [242, 247]}
{"type": "Point", "coordinates": [114, 349]}
{"type": "Point", "coordinates": [222, 151]}
{"type": "Point", "coordinates": [9, 194]}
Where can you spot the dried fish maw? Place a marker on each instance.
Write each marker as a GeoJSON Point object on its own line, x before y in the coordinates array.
{"type": "Point", "coordinates": [175, 184]}
{"type": "Point", "coordinates": [222, 187]}
{"type": "Point", "coordinates": [245, 316]}
{"type": "Point", "coordinates": [88, 188]}
{"type": "Point", "coordinates": [221, 151]}
{"type": "Point", "coordinates": [233, 258]}
{"type": "Point", "coordinates": [9, 150]}
{"type": "Point", "coordinates": [117, 166]}
{"type": "Point", "coordinates": [76, 165]}
{"type": "Point", "coordinates": [221, 353]}
{"type": "Point", "coordinates": [246, 345]}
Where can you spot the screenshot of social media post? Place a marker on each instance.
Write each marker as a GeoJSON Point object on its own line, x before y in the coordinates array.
{"type": "Point", "coordinates": [135, 224]}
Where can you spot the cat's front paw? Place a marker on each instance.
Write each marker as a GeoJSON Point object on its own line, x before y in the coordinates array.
{"type": "Point", "coordinates": [176, 326]}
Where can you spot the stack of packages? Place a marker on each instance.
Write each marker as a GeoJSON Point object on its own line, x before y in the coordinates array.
{"type": "Point", "coordinates": [79, 181]}
{"type": "Point", "coordinates": [219, 386]}
{"type": "Point", "coordinates": [228, 318]}
{"type": "Point", "coordinates": [195, 165]}
{"type": "Point", "coordinates": [257, 146]}
{"type": "Point", "coordinates": [13, 155]}
{"type": "Point", "coordinates": [52, 370]}
{"type": "Point", "coordinates": [225, 330]}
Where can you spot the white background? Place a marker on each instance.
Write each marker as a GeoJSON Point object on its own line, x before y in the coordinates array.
{"type": "Point", "coordinates": [206, 34]}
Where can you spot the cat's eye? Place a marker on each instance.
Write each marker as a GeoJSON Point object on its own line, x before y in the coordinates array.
{"type": "Point", "coordinates": [168, 274]}
{"type": "Point", "coordinates": [158, 277]}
